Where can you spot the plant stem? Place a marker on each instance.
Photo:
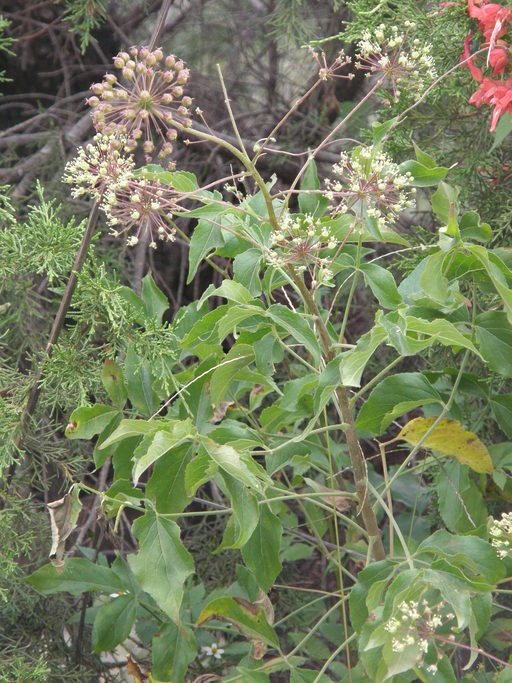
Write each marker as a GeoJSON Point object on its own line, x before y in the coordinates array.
{"type": "Point", "coordinates": [352, 290]}
{"type": "Point", "coordinates": [356, 456]}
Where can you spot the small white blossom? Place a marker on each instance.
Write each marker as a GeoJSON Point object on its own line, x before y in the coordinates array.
{"type": "Point", "coordinates": [213, 651]}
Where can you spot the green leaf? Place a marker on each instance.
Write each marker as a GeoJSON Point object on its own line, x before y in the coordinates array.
{"type": "Point", "coordinates": [230, 290]}
{"type": "Point", "coordinates": [501, 405]}
{"type": "Point", "coordinates": [473, 555]}
{"type": "Point", "coordinates": [238, 357]}
{"type": "Point", "coordinates": [501, 131]}
{"type": "Point", "coordinates": [353, 362]}
{"type": "Point", "coordinates": [247, 618]}
{"type": "Point", "coordinates": [139, 379]}
{"type": "Point", "coordinates": [199, 470]}
{"type": "Point", "coordinates": [393, 397]}
{"type": "Point", "coordinates": [471, 228]}
{"type": "Point", "coordinates": [173, 435]}
{"type": "Point", "coordinates": [380, 130]}
{"type": "Point", "coordinates": [442, 331]}
{"type": "Point", "coordinates": [297, 326]}
{"type": "Point", "coordinates": [328, 380]}
{"type": "Point", "coordinates": [382, 284]}
{"type": "Point", "coordinates": [372, 574]}
{"type": "Point", "coordinates": [498, 273]}
{"type": "Point", "coordinates": [246, 270]}
{"type": "Point", "coordinates": [207, 236]}
{"type": "Point", "coordinates": [261, 552]}
{"type": "Point", "coordinates": [423, 158]}
{"type": "Point", "coordinates": [120, 493]}
{"type": "Point", "coordinates": [166, 486]}
{"type": "Point", "coordinates": [128, 428]}
{"type": "Point", "coordinates": [173, 649]}
{"type": "Point", "coordinates": [314, 203]}
{"type": "Point", "coordinates": [113, 381]}
{"type": "Point", "coordinates": [184, 181]}
{"type": "Point", "coordinates": [445, 202]}
{"type": "Point", "coordinates": [113, 623]}
{"type": "Point", "coordinates": [494, 336]}
{"type": "Point", "coordinates": [433, 281]}
{"type": "Point", "coordinates": [245, 516]}
{"type": "Point", "coordinates": [79, 575]}
{"type": "Point", "coordinates": [240, 466]}
{"type": "Point", "coordinates": [461, 504]}
{"type": "Point", "coordinates": [423, 176]}
{"type": "Point", "coordinates": [88, 421]}
{"type": "Point", "coordinates": [162, 564]}
{"type": "Point", "coordinates": [155, 301]}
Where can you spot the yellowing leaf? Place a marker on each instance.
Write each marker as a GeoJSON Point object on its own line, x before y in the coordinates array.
{"type": "Point", "coordinates": [450, 438]}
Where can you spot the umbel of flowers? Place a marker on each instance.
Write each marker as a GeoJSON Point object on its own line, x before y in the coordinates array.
{"type": "Point", "coordinates": [126, 115]}
{"type": "Point", "coordinates": [495, 23]}
{"type": "Point", "coordinates": [370, 185]}
{"type": "Point", "coordinates": [152, 96]}
{"type": "Point", "coordinates": [389, 53]}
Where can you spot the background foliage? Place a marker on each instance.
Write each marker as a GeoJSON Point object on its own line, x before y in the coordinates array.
{"type": "Point", "coordinates": [139, 337]}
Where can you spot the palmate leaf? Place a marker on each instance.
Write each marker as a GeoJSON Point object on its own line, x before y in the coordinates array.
{"type": "Point", "coordinates": [449, 438]}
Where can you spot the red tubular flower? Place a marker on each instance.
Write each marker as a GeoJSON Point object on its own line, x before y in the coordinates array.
{"type": "Point", "coordinates": [498, 59]}
{"type": "Point", "coordinates": [476, 73]}
{"type": "Point", "coordinates": [488, 15]}
{"type": "Point", "coordinates": [495, 94]}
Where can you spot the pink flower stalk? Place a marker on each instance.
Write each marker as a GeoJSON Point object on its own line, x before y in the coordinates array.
{"type": "Point", "coordinates": [152, 97]}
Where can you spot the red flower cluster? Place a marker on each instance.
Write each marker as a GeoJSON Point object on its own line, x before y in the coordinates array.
{"type": "Point", "coordinates": [494, 22]}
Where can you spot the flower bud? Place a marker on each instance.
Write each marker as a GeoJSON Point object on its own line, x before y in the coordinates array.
{"type": "Point", "coordinates": [182, 77]}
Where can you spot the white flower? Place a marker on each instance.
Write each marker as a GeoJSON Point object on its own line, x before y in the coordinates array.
{"type": "Point", "coordinates": [213, 651]}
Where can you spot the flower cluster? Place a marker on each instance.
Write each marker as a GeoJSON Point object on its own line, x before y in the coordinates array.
{"type": "Point", "coordinates": [98, 166]}
{"type": "Point", "coordinates": [384, 52]}
{"type": "Point", "coordinates": [123, 115]}
{"type": "Point", "coordinates": [414, 625]}
{"type": "Point", "coordinates": [152, 97]}
{"type": "Point", "coordinates": [299, 243]}
{"type": "Point", "coordinates": [141, 205]}
{"type": "Point", "coordinates": [494, 22]}
{"type": "Point", "coordinates": [370, 185]}
{"type": "Point", "coordinates": [500, 532]}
